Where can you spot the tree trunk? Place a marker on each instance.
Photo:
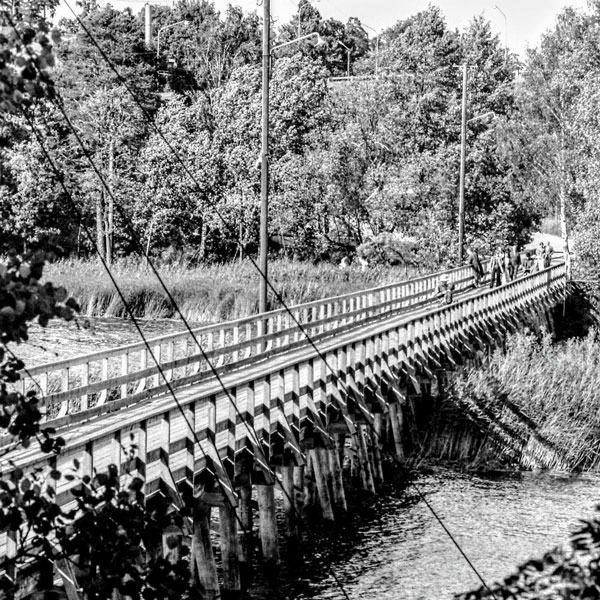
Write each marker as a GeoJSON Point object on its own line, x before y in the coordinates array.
{"type": "Point", "coordinates": [100, 224]}
{"type": "Point", "coordinates": [111, 203]}
{"type": "Point", "coordinates": [562, 194]}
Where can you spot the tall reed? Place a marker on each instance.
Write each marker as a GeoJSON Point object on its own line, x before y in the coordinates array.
{"type": "Point", "coordinates": [537, 403]}
{"type": "Point", "coordinates": [206, 293]}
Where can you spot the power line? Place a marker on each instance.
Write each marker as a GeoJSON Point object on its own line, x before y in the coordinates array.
{"type": "Point", "coordinates": [278, 296]}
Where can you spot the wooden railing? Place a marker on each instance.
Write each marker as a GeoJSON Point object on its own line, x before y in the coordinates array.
{"type": "Point", "coordinates": [82, 387]}
{"type": "Point", "coordinates": [372, 345]}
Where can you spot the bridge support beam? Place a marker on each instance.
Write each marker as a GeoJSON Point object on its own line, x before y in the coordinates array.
{"type": "Point", "coordinates": [203, 558]}
{"type": "Point", "coordinates": [245, 541]}
{"type": "Point", "coordinates": [268, 525]}
{"type": "Point", "coordinates": [320, 464]}
{"type": "Point", "coordinates": [397, 423]}
{"type": "Point", "coordinates": [232, 584]}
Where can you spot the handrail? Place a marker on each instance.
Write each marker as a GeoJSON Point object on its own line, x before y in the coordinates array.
{"type": "Point", "coordinates": [80, 383]}
{"type": "Point", "coordinates": [89, 385]}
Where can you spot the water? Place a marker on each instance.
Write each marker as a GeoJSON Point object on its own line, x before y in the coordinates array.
{"type": "Point", "coordinates": [397, 550]}
{"type": "Point", "coordinates": [393, 548]}
{"type": "Point", "coordinates": [60, 340]}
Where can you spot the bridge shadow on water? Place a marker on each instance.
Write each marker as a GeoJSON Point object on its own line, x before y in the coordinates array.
{"type": "Point", "coordinates": [309, 566]}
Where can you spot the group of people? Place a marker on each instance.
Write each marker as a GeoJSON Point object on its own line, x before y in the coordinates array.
{"type": "Point", "coordinates": [506, 264]}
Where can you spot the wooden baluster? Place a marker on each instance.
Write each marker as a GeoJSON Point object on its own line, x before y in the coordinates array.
{"type": "Point", "coordinates": [124, 372]}
{"type": "Point", "coordinates": [143, 365]}
{"type": "Point", "coordinates": [64, 387]}
{"type": "Point", "coordinates": [156, 354]}
{"type": "Point", "coordinates": [236, 341]}
{"type": "Point", "coordinates": [170, 347]}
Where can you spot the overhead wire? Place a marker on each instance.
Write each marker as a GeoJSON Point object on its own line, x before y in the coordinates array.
{"type": "Point", "coordinates": [269, 284]}
{"type": "Point", "coordinates": [128, 309]}
{"type": "Point", "coordinates": [227, 226]}
{"type": "Point", "coordinates": [224, 389]}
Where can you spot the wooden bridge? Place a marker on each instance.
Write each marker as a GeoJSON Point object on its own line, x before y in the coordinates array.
{"type": "Point", "coordinates": [282, 399]}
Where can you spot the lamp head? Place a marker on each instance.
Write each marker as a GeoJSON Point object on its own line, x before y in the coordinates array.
{"type": "Point", "coordinates": [320, 41]}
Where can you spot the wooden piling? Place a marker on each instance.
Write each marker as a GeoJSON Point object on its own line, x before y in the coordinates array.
{"type": "Point", "coordinates": [289, 503]}
{"type": "Point", "coordinates": [232, 584]}
{"type": "Point", "coordinates": [245, 540]}
{"type": "Point", "coordinates": [203, 559]}
{"type": "Point", "coordinates": [337, 480]}
{"type": "Point", "coordinates": [365, 461]}
{"type": "Point", "coordinates": [378, 439]}
{"type": "Point", "coordinates": [299, 486]}
{"type": "Point", "coordinates": [320, 464]}
{"type": "Point", "coordinates": [396, 420]}
{"type": "Point", "coordinates": [267, 520]}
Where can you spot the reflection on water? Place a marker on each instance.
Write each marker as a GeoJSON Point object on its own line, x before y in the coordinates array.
{"type": "Point", "coordinates": [398, 551]}
{"type": "Point", "coordinates": [66, 340]}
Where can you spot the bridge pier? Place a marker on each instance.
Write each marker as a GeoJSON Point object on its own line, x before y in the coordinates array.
{"type": "Point", "coordinates": [317, 411]}
{"type": "Point", "coordinates": [203, 559]}
{"type": "Point", "coordinates": [267, 518]}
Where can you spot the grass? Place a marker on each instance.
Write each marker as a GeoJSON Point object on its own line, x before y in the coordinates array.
{"type": "Point", "coordinates": [538, 403]}
{"type": "Point", "coordinates": [205, 294]}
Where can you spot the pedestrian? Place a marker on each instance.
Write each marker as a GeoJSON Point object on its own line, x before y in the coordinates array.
{"type": "Point", "coordinates": [528, 263]}
{"type": "Point", "coordinates": [515, 261]}
{"type": "Point", "coordinates": [475, 262]}
{"type": "Point", "coordinates": [548, 252]}
{"type": "Point", "coordinates": [506, 268]}
{"type": "Point", "coordinates": [444, 289]}
{"type": "Point", "coordinates": [539, 256]}
{"type": "Point", "coordinates": [495, 267]}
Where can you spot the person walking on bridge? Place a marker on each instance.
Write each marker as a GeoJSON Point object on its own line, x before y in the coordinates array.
{"type": "Point", "coordinates": [444, 289]}
{"type": "Point", "coordinates": [495, 267]}
{"type": "Point", "coordinates": [475, 262]}
{"type": "Point", "coordinates": [539, 256]}
{"type": "Point", "coordinates": [528, 263]}
{"type": "Point", "coordinates": [548, 252]}
{"type": "Point", "coordinates": [515, 261]}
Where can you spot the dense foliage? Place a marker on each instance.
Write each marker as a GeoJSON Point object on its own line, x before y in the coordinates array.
{"type": "Point", "coordinates": [176, 165]}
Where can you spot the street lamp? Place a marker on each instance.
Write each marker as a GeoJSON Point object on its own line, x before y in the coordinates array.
{"type": "Point", "coordinates": [162, 29]}
{"type": "Point", "coordinates": [314, 34]}
{"type": "Point", "coordinates": [264, 152]}
{"type": "Point", "coordinates": [505, 31]}
{"type": "Point", "coordinates": [348, 56]}
{"type": "Point", "coordinates": [376, 47]}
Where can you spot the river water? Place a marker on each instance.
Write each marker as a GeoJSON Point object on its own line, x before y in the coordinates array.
{"type": "Point", "coordinates": [393, 548]}
{"type": "Point", "coordinates": [397, 550]}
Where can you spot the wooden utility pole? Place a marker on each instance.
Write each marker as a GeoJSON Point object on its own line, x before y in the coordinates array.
{"type": "Point", "coordinates": [148, 25]}
{"type": "Point", "coordinates": [463, 154]}
{"type": "Point", "coordinates": [264, 173]}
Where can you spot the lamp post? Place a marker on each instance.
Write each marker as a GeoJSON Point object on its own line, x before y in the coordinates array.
{"type": "Point", "coordinates": [463, 154]}
{"type": "Point", "coordinates": [505, 31]}
{"type": "Point", "coordinates": [163, 29]}
{"type": "Point", "coordinates": [264, 153]}
{"type": "Point", "coordinates": [376, 47]}
{"type": "Point", "coordinates": [348, 57]}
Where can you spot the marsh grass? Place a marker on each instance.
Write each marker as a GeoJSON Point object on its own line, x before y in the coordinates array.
{"type": "Point", "coordinates": [206, 294]}
{"type": "Point", "coordinates": [535, 405]}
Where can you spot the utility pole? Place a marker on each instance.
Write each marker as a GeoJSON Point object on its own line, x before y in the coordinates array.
{"type": "Point", "coordinates": [463, 154]}
{"type": "Point", "coordinates": [148, 25]}
{"type": "Point", "coordinates": [264, 172]}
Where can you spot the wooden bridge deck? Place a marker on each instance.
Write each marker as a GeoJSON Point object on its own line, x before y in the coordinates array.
{"type": "Point", "coordinates": [282, 391]}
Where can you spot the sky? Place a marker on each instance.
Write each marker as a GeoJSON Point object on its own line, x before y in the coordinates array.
{"type": "Point", "coordinates": [525, 22]}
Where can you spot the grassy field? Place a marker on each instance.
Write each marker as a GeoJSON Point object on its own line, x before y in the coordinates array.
{"type": "Point", "coordinates": [206, 294]}
{"type": "Point", "coordinates": [536, 406]}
